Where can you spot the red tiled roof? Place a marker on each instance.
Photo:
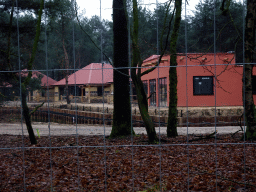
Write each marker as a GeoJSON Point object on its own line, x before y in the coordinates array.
{"type": "Point", "coordinates": [6, 84]}
{"type": "Point", "coordinates": [44, 79]}
{"type": "Point", "coordinates": [89, 75]}
{"type": "Point", "coordinates": [151, 58]}
{"type": "Point", "coordinates": [37, 74]}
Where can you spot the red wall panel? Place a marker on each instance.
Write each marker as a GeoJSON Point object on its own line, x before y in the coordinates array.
{"type": "Point", "coordinates": [227, 89]}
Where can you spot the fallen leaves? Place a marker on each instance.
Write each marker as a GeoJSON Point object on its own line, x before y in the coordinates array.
{"type": "Point", "coordinates": [123, 164]}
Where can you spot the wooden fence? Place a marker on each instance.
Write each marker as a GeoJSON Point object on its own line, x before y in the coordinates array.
{"type": "Point", "coordinates": [68, 116]}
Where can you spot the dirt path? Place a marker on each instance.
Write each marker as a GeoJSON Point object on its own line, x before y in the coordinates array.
{"type": "Point", "coordinates": [64, 129]}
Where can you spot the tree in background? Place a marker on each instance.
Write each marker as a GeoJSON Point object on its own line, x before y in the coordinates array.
{"type": "Point", "coordinates": [61, 19]}
{"type": "Point", "coordinates": [29, 48]}
{"type": "Point", "coordinates": [150, 23]}
{"type": "Point", "coordinates": [136, 71]}
{"type": "Point", "coordinates": [122, 105]}
{"type": "Point", "coordinates": [136, 78]}
{"type": "Point", "coordinates": [5, 59]}
{"type": "Point", "coordinates": [11, 57]}
{"type": "Point", "coordinates": [228, 28]}
{"type": "Point", "coordinates": [173, 80]}
{"type": "Point", "coordinates": [249, 107]}
{"type": "Point", "coordinates": [25, 83]}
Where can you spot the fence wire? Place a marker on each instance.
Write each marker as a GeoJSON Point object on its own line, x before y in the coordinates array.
{"type": "Point", "coordinates": [74, 150]}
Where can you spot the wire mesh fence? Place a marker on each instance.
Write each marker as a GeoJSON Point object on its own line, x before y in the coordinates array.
{"type": "Point", "coordinates": [58, 92]}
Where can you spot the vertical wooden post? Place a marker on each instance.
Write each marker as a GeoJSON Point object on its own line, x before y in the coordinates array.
{"type": "Point", "coordinates": [82, 94]}
{"type": "Point", "coordinates": [89, 94]}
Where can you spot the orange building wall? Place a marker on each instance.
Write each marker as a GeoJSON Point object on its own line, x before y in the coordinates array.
{"type": "Point", "coordinates": [228, 90]}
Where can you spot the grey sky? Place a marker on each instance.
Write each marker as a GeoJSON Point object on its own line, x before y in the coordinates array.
{"type": "Point", "coordinates": [90, 8]}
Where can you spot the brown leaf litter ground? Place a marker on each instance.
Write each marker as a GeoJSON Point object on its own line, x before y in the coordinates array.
{"type": "Point", "coordinates": [124, 164]}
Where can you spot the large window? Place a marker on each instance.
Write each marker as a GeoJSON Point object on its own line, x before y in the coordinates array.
{"type": "Point", "coordinates": [145, 85]}
{"type": "Point", "coordinates": [152, 87]}
{"type": "Point", "coordinates": [162, 92]}
{"type": "Point", "coordinates": [203, 85]}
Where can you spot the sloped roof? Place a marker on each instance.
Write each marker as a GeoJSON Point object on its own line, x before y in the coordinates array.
{"type": "Point", "coordinates": [151, 58]}
{"type": "Point", "coordinates": [5, 84]}
{"type": "Point", "coordinates": [37, 74]}
{"type": "Point", "coordinates": [90, 75]}
{"type": "Point", "coordinates": [44, 79]}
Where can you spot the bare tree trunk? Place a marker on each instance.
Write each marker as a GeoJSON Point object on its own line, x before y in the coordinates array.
{"type": "Point", "coordinates": [24, 85]}
{"type": "Point", "coordinates": [172, 115]}
{"type": "Point", "coordinates": [66, 74]}
{"type": "Point", "coordinates": [136, 78]}
{"type": "Point", "coordinates": [137, 62]}
{"type": "Point", "coordinates": [26, 114]}
{"type": "Point", "coordinates": [122, 105]}
{"type": "Point", "coordinates": [249, 106]}
{"type": "Point", "coordinates": [9, 39]}
{"type": "Point", "coordinates": [143, 106]}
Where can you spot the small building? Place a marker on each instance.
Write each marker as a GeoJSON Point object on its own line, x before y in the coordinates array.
{"type": "Point", "coordinates": [46, 85]}
{"type": "Point", "coordinates": [197, 85]}
{"type": "Point", "coordinates": [90, 83]}
{"type": "Point", "coordinates": [7, 92]}
{"type": "Point", "coordinates": [11, 90]}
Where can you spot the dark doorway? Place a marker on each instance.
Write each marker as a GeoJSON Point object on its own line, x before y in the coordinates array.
{"type": "Point", "coordinates": [61, 92]}
{"type": "Point", "coordinates": [99, 91]}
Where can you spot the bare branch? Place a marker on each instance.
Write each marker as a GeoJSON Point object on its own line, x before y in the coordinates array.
{"type": "Point", "coordinates": [37, 107]}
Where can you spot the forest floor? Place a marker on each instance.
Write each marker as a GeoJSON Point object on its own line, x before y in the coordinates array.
{"type": "Point", "coordinates": [93, 163]}
{"type": "Point", "coordinates": [66, 162]}
{"type": "Point", "coordinates": [178, 164]}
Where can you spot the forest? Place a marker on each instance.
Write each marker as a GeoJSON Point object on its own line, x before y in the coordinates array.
{"type": "Point", "coordinates": [53, 37]}
{"type": "Point", "coordinates": [58, 27]}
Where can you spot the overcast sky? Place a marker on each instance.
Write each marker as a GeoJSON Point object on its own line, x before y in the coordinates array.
{"type": "Point", "coordinates": [92, 7]}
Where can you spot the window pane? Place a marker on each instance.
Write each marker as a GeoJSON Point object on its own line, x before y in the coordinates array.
{"type": "Point", "coordinates": [152, 92]}
{"type": "Point", "coordinates": [203, 85]}
{"type": "Point", "coordinates": [162, 92]}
